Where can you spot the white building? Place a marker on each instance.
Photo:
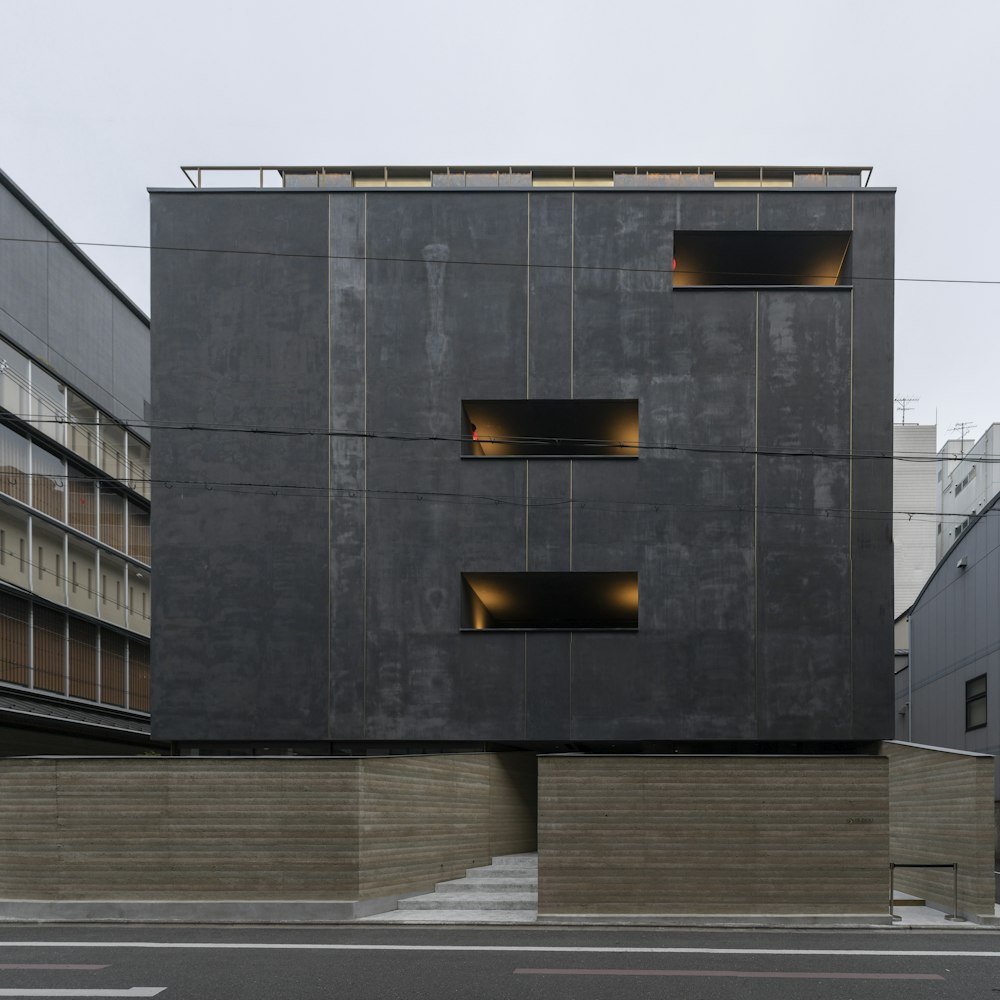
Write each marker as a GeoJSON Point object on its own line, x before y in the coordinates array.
{"type": "Point", "coordinates": [914, 496]}
{"type": "Point", "coordinates": [968, 477]}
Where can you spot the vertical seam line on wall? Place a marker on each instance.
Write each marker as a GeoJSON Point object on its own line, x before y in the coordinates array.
{"type": "Point", "coordinates": [527, 312]}
{"type": "Point", "coordinates": [758, 210]}
{"type": "Point", "coordinates": [850, 490]}
{"type": "Point", "coordinates": [364, 560]}
{"type": "Point", "coordinates": [572, 333]}
{"type": "Point", "coordinates": [527, 389]}
{"type": "Point", "coordinates": [527, 480]}
{"type": "Point", "coordinates": [572, 286]}
{"type": "Point", "coordinates": [329, 465]}
{"type": "Point", "coordinates": [756, 511]}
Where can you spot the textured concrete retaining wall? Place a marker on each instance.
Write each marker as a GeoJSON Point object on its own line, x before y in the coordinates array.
{"type": "Point", "coordinates": [425, 819]}
{"type": "Point", "coordinates": [513, 803]}
{"type": "Point", "coordinates": [941, 811]}
{"type": "Point", "coordinates": [252, 828]}
{"type": "Point", "coordinates": [713, 835]}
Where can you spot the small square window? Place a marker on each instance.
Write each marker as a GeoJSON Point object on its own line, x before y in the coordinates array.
{"type": "Point", "coordinates": [975, 703]}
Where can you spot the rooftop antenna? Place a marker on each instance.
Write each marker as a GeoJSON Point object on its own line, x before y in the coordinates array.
{"type": "Point", "coordinates": [962, 426]}
{"type": "Point", "coordinates": [903, 404]}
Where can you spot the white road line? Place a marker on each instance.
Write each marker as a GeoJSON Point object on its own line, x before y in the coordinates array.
{"type": "Point", "coordinates": [50, 966]}
{"type": "Point", "coordinates": [300, 946]}
{"type": "Point", "coordinates": [132, 991]}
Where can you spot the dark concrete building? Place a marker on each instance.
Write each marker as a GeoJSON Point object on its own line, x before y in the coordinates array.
{"type": "Point", "coordinates": [517, 462]}
{"type": "Point", "coordinates": [525, 458]}
{"type": "Point", "coordinates": [74, 496]}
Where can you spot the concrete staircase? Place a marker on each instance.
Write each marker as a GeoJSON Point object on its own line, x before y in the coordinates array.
{"type": "Point", "coordinates": [504, 892]}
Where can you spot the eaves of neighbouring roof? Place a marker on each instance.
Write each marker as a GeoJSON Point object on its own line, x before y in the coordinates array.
{"type": "Point", "coordinates": [954, 545]}
{"type": "Point", "coordinates": [72, 247]}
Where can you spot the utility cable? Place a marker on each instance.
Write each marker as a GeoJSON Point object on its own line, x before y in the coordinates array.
{"type": "Point", "coordinates": [493, 263]}
{"type": "Point", "coordinates": [909, 456]}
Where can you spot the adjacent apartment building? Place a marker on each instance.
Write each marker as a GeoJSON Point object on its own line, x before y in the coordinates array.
{"type": "Point", "coordinates": [953, 689]}
{"type": "Point", "coordinates": [914, 502]}
{"type": "Point", "coordinates": [968, 479]}
{"type": "Point", "coordinates": [536, 458]}
{"type": "Point", "coordinates": [74, 496]}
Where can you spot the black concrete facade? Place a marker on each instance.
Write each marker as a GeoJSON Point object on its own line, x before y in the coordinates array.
{"type": "Point", "coordinates": [309, 583]}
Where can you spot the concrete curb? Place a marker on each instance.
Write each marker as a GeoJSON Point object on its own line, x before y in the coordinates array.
{"type": "Point", "coordinates": [252, 911]}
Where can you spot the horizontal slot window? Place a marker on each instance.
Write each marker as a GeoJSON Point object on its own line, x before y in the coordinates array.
{"type": "Point", "coordinates": [550, 428]}
{"type": "Point", "coordinates": [759, 258]}
{"type": "Point", "coordinates": [551, 601]}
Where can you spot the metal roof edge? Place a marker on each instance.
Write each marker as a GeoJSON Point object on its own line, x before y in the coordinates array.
{"type": "Point", "coordinates": [70, 245]}
{"type": "Point", "coordinates": [973, 521]}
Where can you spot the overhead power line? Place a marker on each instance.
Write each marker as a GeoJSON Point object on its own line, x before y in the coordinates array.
{"type": "Point", "coordinates": [534, 265]}
{"type": "Point", "coordinates": [595, 443]}
{"type": "Point", "coordinates": [626, 506]}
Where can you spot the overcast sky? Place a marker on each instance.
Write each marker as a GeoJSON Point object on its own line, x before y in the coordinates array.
{"type": "Point", "coordinates": [102, 99]}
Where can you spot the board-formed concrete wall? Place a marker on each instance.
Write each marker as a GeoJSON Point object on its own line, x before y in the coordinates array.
{"type": "Point", "coordinates": [941, 812]}
{"type": "Point", "coordinates": [713, 835]}
{"type": "Point", "coordinates": [253, 828]}
{"type": "Point", "coordinates": [435, 816]}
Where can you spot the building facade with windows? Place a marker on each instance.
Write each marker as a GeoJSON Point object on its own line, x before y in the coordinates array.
{"type": "Point", "coordinates": [954, 684]}
{"type": "Point", "coordinates": [74, 496]}
{"type": "Point", "coordinates": [523, 457]}
{"type": "Point", "coordinates": [968, 479]}
{"type": "Point", "coordinates": [914, 499]}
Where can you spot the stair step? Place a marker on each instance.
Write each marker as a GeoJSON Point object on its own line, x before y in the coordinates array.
{"type": "Point", "coordinates": [507, 871]}
{"type": "Point", "coordinates": [471, 901]}
{"type": "Point", "coordinates": [506, 890]}
{"type": "Point", "coordinates": [489, 885]}
{"type": "Point", "coordinates": [513, 860]}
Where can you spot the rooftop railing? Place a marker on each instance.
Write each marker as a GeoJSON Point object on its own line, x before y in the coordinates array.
{"type": "Point", "coordinates": [367, 177]}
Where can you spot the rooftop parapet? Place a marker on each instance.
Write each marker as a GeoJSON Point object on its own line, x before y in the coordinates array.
{"type": "Point", "coordinates": [521, 177]}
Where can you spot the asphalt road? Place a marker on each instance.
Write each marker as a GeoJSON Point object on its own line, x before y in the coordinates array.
{"type": "Point", "coordinates": [371, 963]}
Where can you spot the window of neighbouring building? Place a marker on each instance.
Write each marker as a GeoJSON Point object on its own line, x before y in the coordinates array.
{"type": "Point", "coordinates": [975, 703]}
{"type": "Point", "coordinates": [14, 477]}
{"type": "Point", "coordinates": [48, 483]}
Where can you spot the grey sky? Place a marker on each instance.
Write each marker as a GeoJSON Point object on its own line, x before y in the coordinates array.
{"type": "Point", "coordinates": [102, 99]}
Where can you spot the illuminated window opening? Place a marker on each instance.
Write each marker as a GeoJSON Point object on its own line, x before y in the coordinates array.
{"type": "Point", "coordinates": [550, 428]}
{"type": "Point", "coordinates": [760, 259]}
{"type": "Point", "coordinates": [550, 601]}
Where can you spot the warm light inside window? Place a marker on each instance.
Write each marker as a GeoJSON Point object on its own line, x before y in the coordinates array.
{"type": "Point", "coordinates": [760, 258]}
{"type": "Point", "coordinates": [573, 601]}
{"type": "Point", "coordinates": [554, 428]}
